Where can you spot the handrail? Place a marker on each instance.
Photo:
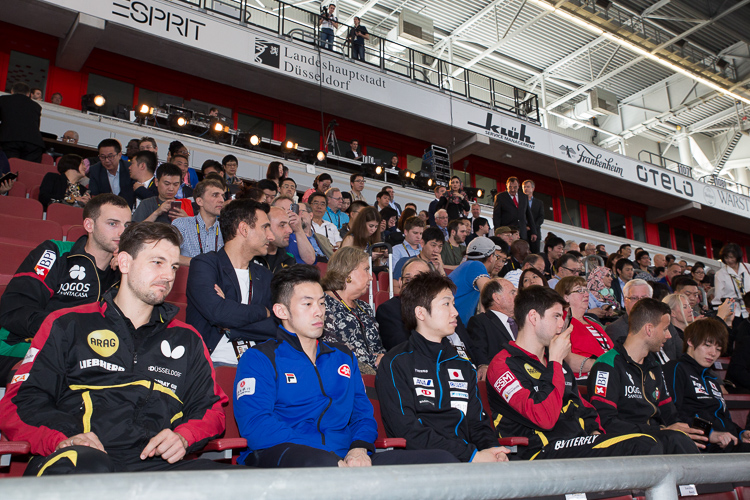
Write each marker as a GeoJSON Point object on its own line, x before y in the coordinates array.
{"type": "Point", "coordinates": [667, 163]}
{"type": "Point", "coordinates": [658, 475]}
{"type": "Point", "coordinates": [287, 20]}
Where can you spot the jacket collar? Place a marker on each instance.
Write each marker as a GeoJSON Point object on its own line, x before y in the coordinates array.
{"type": "Point", "coordinates": [161, 315]}
{"type": "Point", "coordinates": [430, 349]}
{"type": "Point", "coordinates": [284, 335]}
{"type": "Point", "coordinates": [649, 362]}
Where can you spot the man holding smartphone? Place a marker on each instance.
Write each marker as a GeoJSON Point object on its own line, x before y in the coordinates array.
{"type": "Point", "coordinates": [164, 207]}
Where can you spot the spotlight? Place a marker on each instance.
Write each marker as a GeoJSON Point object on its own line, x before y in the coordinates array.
{"type": "Point", "coordinates": [405, 177]}
{"type": "Point", "coordinates": [321, 156]}
{"type": "Point", "coordinates": [288, 146]}
{"type": "Point", "coordinates": [254, 140]}
{"type": "Point", "coordinates": [247, 140]}
{"type": "Point", "coordinates": [178, 121]}
{"type": "Point", "coordinates": [474, 193]}
{"type": "Point", "coordinates": [217, 130]}
{"type": "Point", "coordinates": [424, 180]}
{"type": "Point", "coordinates": [92, 102]}
{"type": "Point", "coordinates": [144, 110]}
{"type": "Point", "coordinates": [217, 127]}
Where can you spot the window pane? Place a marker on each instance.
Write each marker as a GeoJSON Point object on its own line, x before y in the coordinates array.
{"type": "Point", "coordinates": [699, 244]}
{"type": "Point", "coordinates": [205, 107]}
{"type": "Point", "coordinates": [639, 228]}
{"type": "Point", "coordinates": [682, 240]}
{"type": "Point", "coordinates": [31, 70]}
{"type": "Point", "coordinates": [378, 154]}
{"type": "Point", "coordinates": [487, 184]}
{"type": "Point", "coordinates": [255, 125]}
{"type": "Point", "coordinates": [665, 240]}
{"type": "Point", "coordinates": [617, 225]}
{"type": "Point", "coordinates": [597, 219]}
{"type": "Point", "coordinates": [571, 212]}
{"type": "Point", "coordinates": [414, 163]}
{"type": "Point", "coordinates": [158, 99]}
{"type": "Point", "coordinates": [549, 209]}
{"type": "Point", "coordinates": [305, 137]}
{"type": "Point", "coordinates": [117, 93]}
{"type": "Point", "coordinates": [716, 248]}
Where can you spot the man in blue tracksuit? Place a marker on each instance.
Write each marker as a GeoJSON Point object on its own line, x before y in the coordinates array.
{"type": "Point", "coordinates": [300, 402]}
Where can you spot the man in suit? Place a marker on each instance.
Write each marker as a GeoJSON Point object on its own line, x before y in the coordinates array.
{"type": "Point", "coordinates": [354, 152]}
{"type": "Point", "coordinates": [495, 327]}
{"type": "Point", "coordinates": [537, 212]}
{"type": "Point", "coordinates": [228, 295]}
{"type": "Point", "coordinates": [512, 209]}
{"type": "Point", "coordinates": [19, 125]}
{"type": "Point", "coordinates": [624, 270]}
{"type": "Point", "coordinates": [111, 174]}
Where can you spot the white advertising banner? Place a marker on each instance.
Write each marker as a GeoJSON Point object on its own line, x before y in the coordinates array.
{"type": "Point", "coordinates": [204, 32]}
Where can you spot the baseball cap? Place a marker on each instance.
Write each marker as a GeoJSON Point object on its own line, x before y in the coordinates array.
{"type": "Point", "coordinates": [480, 247]}
{"type": "Point", "coordinates": [502, 230]}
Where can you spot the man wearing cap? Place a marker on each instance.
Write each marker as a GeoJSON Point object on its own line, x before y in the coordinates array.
{"type": "Point", "coordinates": [471, 276]}
{"type": "Point", "coordinates": [505, 233]}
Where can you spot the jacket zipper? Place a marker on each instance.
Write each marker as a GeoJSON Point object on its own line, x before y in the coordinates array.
{"type": "Point", "coordinates": [645, 396]}
{"type": "Point", "coordinates": [330, 401]}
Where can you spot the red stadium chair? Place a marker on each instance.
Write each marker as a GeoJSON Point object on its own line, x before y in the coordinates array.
{"type": "Point", "coordinates": [380, 297]}
{"type": "Point", "coordinates": [383, 441]}
{"type": "Point", "coordinates": [18, 451]}
{"type": "Point", "coordinates": [47, 159]}
{"type": "Point", "coordinates": [13, 256]}
{"type": "Point", "coordinates": [20, 231]}
{"type": "Point", "coordinates": [182, 312]}
{"type": "Point", "coordinates": [65, 215]}
{"type": "Point", "coordinates": [75, 232]}
{"type": "Point", "coordinates": [31, 179]}
{"type": "Point", "coordinates": [739, 407]}
{"type": "Point", "coordinates": [384, 282]}
{"type": "Point", "coordinates": [21, 207]}
{"type": "Point", "coordinates": [179, 287]}
{"type": "Point", "coordinates": [34, 192]}
{"type": "Point", "coordinates": [231, 441]}
{"type": "Point", "coordinates": [323, 267]}
{"type": "Point", "coordinates": [18, 190]}
{"type": "Point", "coordinates": [482, 386]}
{"type": "Point", "coordinates": [18, 165]}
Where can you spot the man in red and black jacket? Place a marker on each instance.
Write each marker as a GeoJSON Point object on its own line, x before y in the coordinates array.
{"type": "Point", "coordinates": [536, 396]}
{"type": "Point", "coordinates": [118, 385]}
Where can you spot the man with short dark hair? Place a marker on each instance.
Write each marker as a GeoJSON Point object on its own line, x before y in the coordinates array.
{"type": "Point", "coordinates": [674, 270]}
{"type": "Point", "coordinates": [392, 203]}
{"type": "Point", "coordinates": [431, 253]}
{"type": "Point", "coordinates": [481, 227]}
{"type": "Point", "coordinates": [427, 391]}
{"type": "Point", "coordinates": [111, 174]}
{"type": "Point", "coordinates": [519, 250]}
{"type": "Point", "coordinates": [357, 35]}
{"type": "Point", "coordinates": [87, 399]}
{"type": "Point", "coordinates": [159, 208]}
{"type": "Point", "coordinates": [201, 233]}
{"type": "Point", "coordinates": [277, 257]}
{"type": "Point", "coordinates": [229, 300]}
{"type": "Point", "coordinates": [454, 248]}
{"type": "Point", "coordinates": [231, 164]}
{"type": "Point", "coordinates": [36, 94]}
{"type": "Point", "coordinates": [412, 244]}
{"type": "Point", "coordinates": [567, 265]}
{"type": "Point", "coordinates": [19, 125]}
{"type": "Point", "coordinates": [537, 211]}
{"type": "Point", "coordinates": [353, 152]}
{"type": "Point", "coordinates": [288, 188]}
{"type": "Point", "coordinates": [142, 167]}
{"type": "Point", "coordinates": [439, 192]}
{"type": "Point", "coordinates": [357, 184]}
{"type": "Point", "coordinates": [60, 274]}
{"type": "Point", "coordinates": [212, 166]}
{"type": "Point", "coordinates": [625, 250]}
{"type": "Point", "coordinates": [186, 182]}
{"type": "Point", "coordinates": [624, 271]}
{"type": "Point", "coordinates": [269, 188]}
{"type": "Point", "coordinates": [626, 384]}
{"type": "Point", "coordinates": [148, 144]}
{"type": "Point", "coordinates": [553, 249]}
{"type": "Point", "coordinates": [383, 199]}
{"type": "Point", "coordinates": [495, 327]}
{"type": "Point", "coordinates": [533, 392]}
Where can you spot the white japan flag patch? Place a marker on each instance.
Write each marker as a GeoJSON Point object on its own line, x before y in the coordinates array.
{"type": "Point", "coordinates": [455, 374]}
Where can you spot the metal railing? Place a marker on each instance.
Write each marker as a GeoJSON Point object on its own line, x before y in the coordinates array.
{"type": "Point", "coordinates": [391, 57]}
{"type": "Point", "coordinates": [664, 162]}
{"type": "Point", "coordinates": [657, 475]}
{"type": "Point", "coordinates": [728, 184]}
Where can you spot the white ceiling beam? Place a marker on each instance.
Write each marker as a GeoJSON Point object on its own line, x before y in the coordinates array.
{"type": "Point", "coordinates": [653, 8]}
{"type": "Point", "coordinates": [570, 57]}
{"type": "Point", "coordinates": [358, 13]}
{"type": "Point", "coordinates": [468, 23]}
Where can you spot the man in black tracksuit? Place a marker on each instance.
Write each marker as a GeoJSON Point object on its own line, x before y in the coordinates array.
{"type": "Point", "coordinates": [428, 393]}
{"type": "Point", "coordinates": [535, 395]}
{"type": "Point", "coordinates": [60, 274]}
{"type": "Point", "coordinates": [118, 385]}
{"type": "Point", "coordinates": [626, 384]}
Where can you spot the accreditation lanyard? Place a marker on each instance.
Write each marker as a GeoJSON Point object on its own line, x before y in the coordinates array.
{"type": "Point", "coordinates": [200, 243]}
{"type": "Point", "coordinates": [362, 327]}
{"type": "Point", "coordinates": [407, 250]}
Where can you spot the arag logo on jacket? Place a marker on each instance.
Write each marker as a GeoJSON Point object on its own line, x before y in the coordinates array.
{"type": "Point", "coordinates": [103, 342]}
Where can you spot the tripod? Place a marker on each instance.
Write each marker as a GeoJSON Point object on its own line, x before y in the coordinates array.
{"type": "Point", "coordinates": [332, 144]}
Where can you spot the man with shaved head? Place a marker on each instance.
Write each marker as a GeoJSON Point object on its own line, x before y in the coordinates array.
{"type": "Point", "coordinates": [277, 256]}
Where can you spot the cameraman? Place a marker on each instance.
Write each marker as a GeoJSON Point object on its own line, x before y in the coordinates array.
{"type": "Point", "coordinates": [328, 22]}
{"type": "Point", "coordinates": [358, 34]}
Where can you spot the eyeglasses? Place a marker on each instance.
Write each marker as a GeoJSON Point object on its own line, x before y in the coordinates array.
{"type": "Point", "coordinates": [637, 298]}
{"type": "Point", "coordinates": [442, 217]}
{"type": "Point", "coordinates": [578, 290]}
{"type": "Point", "coordinates": [108, 157]}
{"type": "Point", "coordinates": [319, 204]}
{"type": "Point", "coordinates": [359, 180]}
{"type": "Point", "coordinates": [574, 271]}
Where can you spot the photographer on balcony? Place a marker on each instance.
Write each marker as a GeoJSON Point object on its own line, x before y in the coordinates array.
{"type": "Point", "coordinates": [357, 35]}
{"type": "Point", "coordinates": [328, 22]}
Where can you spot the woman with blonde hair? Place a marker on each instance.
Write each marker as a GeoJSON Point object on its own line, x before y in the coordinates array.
{"type": "Point", "coordinates": [350, 320]}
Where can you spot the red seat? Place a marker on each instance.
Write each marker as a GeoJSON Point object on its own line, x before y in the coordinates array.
{"type": "Point", "coordinates": [47, 159]}
{"type": "Point", "coordinates": [383, 440]}
{"type": "Point", "coordinates": [13, 256]}
{"type": "Point", "coordinates": [75, 232]}
{"type": "Point", "coordinates": [231, 440]}
{"type": "Point", "coordinates": [15, 449]}
{"type": "Point", "coordinates": [380, 297]}
{"type": "Point", "coordinates": [31, 179]}
{"type": "Point", "coordinates": [384, 282]}
{"type": "Point", "coordinates": [179, 287]}
{"type": "Point", "coordinates": [739, 407]}
{"type": "Point", "coordinates": [18, 165]}
{"type": "Point", "coordinates": [21, 207]}
{"type": "Point", "coordinates": [66, 215]}
{"type": "Point", "coordinates": [34, 192]}
{"type": "Point", "coordinates": [323, 266]}
{"type": "Point", "coordinates": [18, 190]}
{"type": "Point", "coordinates": [182, 311]}
{"type": "Point", "coordinates": [21, 231]}
{"type": "Point", "coordinates": [482, 386]}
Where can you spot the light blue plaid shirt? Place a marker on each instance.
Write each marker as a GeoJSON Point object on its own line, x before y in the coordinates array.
{"type": "Point", "coordinates": [208, 241]}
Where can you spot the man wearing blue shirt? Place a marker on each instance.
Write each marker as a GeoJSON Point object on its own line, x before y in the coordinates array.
{"type": "Point", "coordinates": [412, 244]}
{"type": "Point", "coordinates": [471, 276]}
{"type": "Point", "coordinates": [334, 214]}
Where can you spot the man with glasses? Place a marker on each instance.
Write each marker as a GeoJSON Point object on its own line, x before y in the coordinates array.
{"type": "Point", "coordinates": [111, 174]}
{"type": "Point", "coordinates": [566, 265]}
{"type": "Point", "coordinates": [688, 287]}
{"type": "Point", "coordinates": [319, 204]}
{"type": "Point", "coordinates": [334, 214]}
{"type": "Point", "coordinates": [357, 183]}
{"type": "Point", "coordinates": [288, 188]}
{"type": "Point", "coordinates": [441, 222]}
{"type": "Point", "coordinates": [633, 291]}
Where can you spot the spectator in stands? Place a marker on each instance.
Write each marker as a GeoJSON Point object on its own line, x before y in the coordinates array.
{"type": "Point", "coordinates": [56, 275]}
{"type": "Point", "coordinates": [627, 387]}
{"type": "Point", "coordinates": [389, 226]}
{"type": "Point", "coordinates": [334, 213]}
{"type": "Point", "coordinates": [454, 249]}
{"type": "Point", "coordinates": [732, 281]}
{"type": "Point", "coordinates": [288, 188]}
{"type": "Point", "coordinates": [354, 152]}
{"type": "Point", "coordinates": [201, 233]}
{"type": "Point", "coordinates": [212, 166]}
{"type": "Point", "coordinates": [553, 250]}
{"type": "Point", "coordinates": [111, 174]}
{"type": "Point", "coordinates": [320, 185]}
{"type": "Point", "coordinates": [602, 302]}
{"type": "Point", "coordinates": [531, 277]}
{"type": "Point", "coordinates": [496, 326]}
{"type": "Point", "coordinates": [681, 313]}
{"type": "Point", "coordinates": [357, 184]}
{"type": "Point", "coordinates": [633, 291]}
{"type": "Point", "coordinates": [408, 213]}
{"type": "Point", "coordinates": [275, 172]}
{"type": "Point", "coordinates": [601, 251]}
{"type": "Point", "coordinates": [471, 276]}
{"type": "Point", "coordinates": [136, 428]}
{"type": "Point", "coordinates": [164, 207]}
{"type": "Point", "coordinates": [300, 246]}
{"type": "Point", "coordinates": [353, 211]}
{"type": "Point", "coordinates": [70, 136]}
{"type": "Point", "coordinates": [534, 393]}
{"type": "Point", "coordinates": [19, 124]}
{"type": "Point", "coordinates": [660, 260]}
{"type": "Point", "coordinates": [684, 267]}
{"type": "Point", "coordinates": [481, 227]}
{"type": "Point", "coordinates": [502, 257]}
{"type": "Point", "coordinates": [625, 250]}
{"type": "Point", "coordinates": [388, 315]}
{"type": "Point", "coordinates": [696, 389]}
{"type": "Point", "coordinates": [698, 272]}
{"type": "Point", "coordinates": [57, 98]}
{"type": "Point", "coordinates": [319, 204]}
{"type": "Point", "coordinates": [141, 168]}
{"type": "Point", "coordinates": [328, 22]}
{"type": "Point", "coordinates": [321, 244]}
{"type": "Point", "coordinates": [537, 212]}
{"type": "Point", "coordinates": [642, 266]}
{"type": "Point", "coordinates": [739, 365]}
{"type": "Point", "coordinates": [65, 186]}
{"type": "Point", "coordinates": [332, 425]}
{"type": "Point", "coordinates": [570, 246]}
{"type": "Point", "coordinates": [412, 244]}
{"type": "Point", "coordinates": [277, 257]}
{"type": "Point", "coordinates": [213, 112]}
{"type": "Point", "coordinates": [392, 202]}
{"type": "Point", "coordinates": [673, 271]}
{"type": "Point", "coordinates": [229, 301]}
{"type": "Point", "coordinates": [512, 209]}
{"type": "Point", "coordinates": [131, 149]}
{"type": "Point", "coordinates": [441, 222]}
{"type": "Point", "coordinates": [624, 272]}
{"type": "Point", "coordinates": [230, 165]}
{"type": "Point", "coordinates": [149, 144]}
{"type": "Point", "coordinates": [365, 232]}
{"type": "Point", "coordinates": [588, 339]}
{"type": "Point", "coordinates": [176, 147]}
{"type": "Point", "coordinates": [424, 215]}
{"type": "Point", "coordinates": [566, 265]}
{"type": "Point", "coordinates": [348, 319]}
{"type": "Point", "coordinates": [383, 199]}
{"type": "Point", "coordinates": [269, 188]}
{"type": "Point", "coordinates": [36, 94]}
{"type": "Point", "coordinates": [505, 233]}
{"type": "Point", "coordinates": [439, 192]}
{"type": "Point", "coordinates": [346, 201]}
{"type": "Point", "coordinates": [408, 376]}
{"type": "Point", "coordinates": [519, 250]}
{"type": "Point", "coordinates": [454, 201]}
{"type": "Point", "coordinates": [432, 246]}
{"type": "Point", "coordinates": [687, 286]}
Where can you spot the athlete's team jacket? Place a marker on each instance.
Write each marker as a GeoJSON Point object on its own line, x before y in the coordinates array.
{"type": "Point", "coordinates": [538, 401]}
{"type": "Point", "coordinates": [630, 397]}
{"type": "Point", "coordinates": [428, 395]}
{"type": "Point", "coordinates": [89, 370]}
{"type": "Point", "coordinates": [55, 275]}
{"type": "Point", "coordinates": [696, 392]}
{"type": "Point", "coordinates": [282, 397]}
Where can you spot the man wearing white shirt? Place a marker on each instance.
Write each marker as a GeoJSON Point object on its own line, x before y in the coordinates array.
{"type": "Point", "coordinates": [319, 204]}
{"type": "Point", "coordinates": [393, 203]}
{"type": "Point", "coordinates": [495, 327]}
{"type": "Point", "coordinates": [412, 244]}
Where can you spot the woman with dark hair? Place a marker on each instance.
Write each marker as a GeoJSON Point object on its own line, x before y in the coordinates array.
{"type": "Point", "coordinates": [529, 277]}
{"type": "Point", "coordinates": [698, 272]}
{"type": "Point", "coordinates": [275, 172]}
{"type": "Point", "coordinates": [732, 281]}
{"type": "Point", "coordinates": [696, 389]}
{"type": "Point", "coordinates": [346, 201]}
{"type": "Point", "coordinates": [321, 184]}
{"type": "Point", "coordinates": [65, 186]}
{"type": "Point", "coordinates": [365, 231]}
{"type": "Point", "coordinates": [408, 212]}
{"type": "Point", "coordinates": [454, 201]}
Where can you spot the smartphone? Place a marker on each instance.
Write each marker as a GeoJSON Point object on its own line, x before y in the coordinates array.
{"type": "Point", "coordinates": [568, 318]}
{"type": "Point", "coordinates": [294, 208]}
{"type": "Point", "coordinates": [702, 424]}
{"type": "Point", "coordinates": [176, 205]}
{"type": "Point", "coordinates": [10, 176]}
{"type": "Point", "coordinates": [607, 307]}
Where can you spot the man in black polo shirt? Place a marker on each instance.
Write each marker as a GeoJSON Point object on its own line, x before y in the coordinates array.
{"type": "Point", "coordinates": [277, 256]}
